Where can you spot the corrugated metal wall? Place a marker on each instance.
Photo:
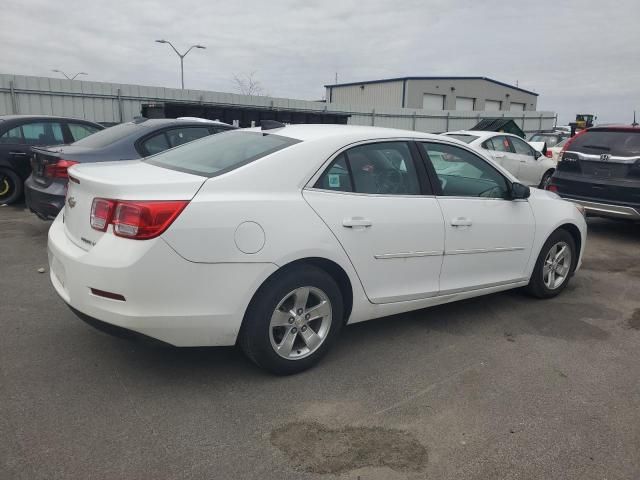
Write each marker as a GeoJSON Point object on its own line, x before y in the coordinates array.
{"type": "Point", "coordinates": [112, 102]}
{"type": "Point", "coordinates": [378, 95]}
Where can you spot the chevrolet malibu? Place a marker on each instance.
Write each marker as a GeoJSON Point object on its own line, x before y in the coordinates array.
{"type": "Point", "coordinates": [275, 238]}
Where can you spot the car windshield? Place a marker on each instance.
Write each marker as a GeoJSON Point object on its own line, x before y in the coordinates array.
{"type": "Point", "coordinates": [466, 138]}
{"type": "Point", "coordinates": [217, 154]}
{"type": "Point", "coordinates": [618, 143]}
{"type": "Point", "coordinates": [108, 135]}
{"type": "Point", "coordinates": [550, 139]}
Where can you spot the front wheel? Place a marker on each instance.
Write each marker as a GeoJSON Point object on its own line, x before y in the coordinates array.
{"type": "Point", "coordinates": [10, 186]}
{"type": "Point", "coordinates": [546, 180]}
{"type": "Point", "coordinates": [293, 320]}
{"type": "Point", "coordinates": [554, 265]}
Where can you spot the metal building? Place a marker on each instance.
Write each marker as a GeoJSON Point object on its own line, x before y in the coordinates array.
{"type": "Point", "coordinates": [110, 103]}
{"type": "Point", "coordinates": [435, 94]}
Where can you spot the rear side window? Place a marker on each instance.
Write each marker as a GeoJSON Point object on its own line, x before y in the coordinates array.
{"type": "Point", "coordinates": [617, 143]}
{"type": "Point", "coordinates": [12, 137]}
{"type": "Point", "coordinates": [217, 154]}
{"type": "Point", "coordinates": [384, 168]}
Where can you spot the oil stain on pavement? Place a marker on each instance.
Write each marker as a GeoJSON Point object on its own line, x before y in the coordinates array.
{"type": "Point", "coordinates": [634, 321]}
{"type": "Point", "coordinates": [314, 448]}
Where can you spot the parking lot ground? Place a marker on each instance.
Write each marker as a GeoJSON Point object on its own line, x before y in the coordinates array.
{"type": "Point", "coordinates": [498, 387]}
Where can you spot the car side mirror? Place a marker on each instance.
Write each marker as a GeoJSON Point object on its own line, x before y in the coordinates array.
{"type": "Point", "coordinates": [519, 191]}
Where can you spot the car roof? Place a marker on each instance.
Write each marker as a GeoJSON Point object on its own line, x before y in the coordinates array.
{"type": "Point", "coordinates": [43, 117]}
{"type": "Point", "coordinates": [615, 128]}
{"type": "Point", "coordinates": [480, 133]}
{"type": "Point", "coordinates": [307, 132]}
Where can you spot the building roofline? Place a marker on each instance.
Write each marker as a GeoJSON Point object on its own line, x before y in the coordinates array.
{"type": "Point", "coordinates": [402, 79]}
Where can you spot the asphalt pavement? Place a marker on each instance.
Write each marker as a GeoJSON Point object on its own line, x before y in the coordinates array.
{"type": "Point", "coordinates": [498, 387]}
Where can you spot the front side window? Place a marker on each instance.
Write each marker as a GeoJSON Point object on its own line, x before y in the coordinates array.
{"type": "Point", "coordinates": [217, 154]}
{"type": "Point", "coordinates": [12, 137]}
{"type": "Point", "coordinates": [42, 133]}
{"type": "Point", "coordinates": [384, 168]}
{"type": "Point", "coordinates": [521, 147]}
{"type": "Point", "coordinates": [463, 174]}
{"type": "Point", "coordinates": [80, 130]}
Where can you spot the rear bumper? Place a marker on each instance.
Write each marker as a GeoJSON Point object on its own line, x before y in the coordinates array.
{"type": "Point", "coordinates": [166, 297]}
{"type": "Point", "coordinates": [607, 209]}
{"type": "Point", "coordinates": [45, 202]}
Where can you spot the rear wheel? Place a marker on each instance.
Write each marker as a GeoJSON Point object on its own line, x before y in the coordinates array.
{"type": "Point", "coordinates": [10, 186]}
{"type": "Point", "coordinates": [546, 180]}
{"type": "Point", "coordinates": [554, 265]}
{"type": "Point", "coordinates": [293, 320]}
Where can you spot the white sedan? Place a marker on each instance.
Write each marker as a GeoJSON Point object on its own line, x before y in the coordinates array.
{"type": "Point", "coordinates": [277, 238]}
{"type": "Point", "coordinates": [528, 165]}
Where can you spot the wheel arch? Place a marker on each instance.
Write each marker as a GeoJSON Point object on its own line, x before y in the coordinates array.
{"type": "Point", "coordinates": [333, 269]}
{"type": "Point", "coordinates": [577, 238]}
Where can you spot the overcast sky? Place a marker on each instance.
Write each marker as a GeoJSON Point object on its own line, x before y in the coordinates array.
{"type": "Point", "coordinates": [580, 56]}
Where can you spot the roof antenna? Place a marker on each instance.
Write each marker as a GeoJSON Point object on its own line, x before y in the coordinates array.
{"type": "Point", "coordinates": [271, 124]}
{"type": "Point", "coordinates": [634, 124]}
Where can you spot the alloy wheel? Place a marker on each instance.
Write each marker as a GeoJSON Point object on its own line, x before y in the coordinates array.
{"type": "Point", "coordinates": [557, 265]}
{"type": "Point", "coordinates": [300, 323]}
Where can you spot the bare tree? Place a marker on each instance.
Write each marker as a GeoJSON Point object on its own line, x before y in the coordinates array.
{"type": "Point", "coordinates": [247, 84]}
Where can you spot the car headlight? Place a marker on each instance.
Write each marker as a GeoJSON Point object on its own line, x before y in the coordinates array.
{"type": "Point", "coordinates": [581, 209]}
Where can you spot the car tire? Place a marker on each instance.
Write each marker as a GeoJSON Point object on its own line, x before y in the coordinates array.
{"type": "Point", "coordinates": [546, 179]}
{"type": "Point", "coordinates": [280, 331]}
{"type": "Point", "coordinates": [11, 186]}
{"type": "Point", "coordinates": [554, 266]}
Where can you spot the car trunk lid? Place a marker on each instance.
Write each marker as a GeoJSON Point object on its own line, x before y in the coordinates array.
{"type": "Point", "coordinates": [125, 180]}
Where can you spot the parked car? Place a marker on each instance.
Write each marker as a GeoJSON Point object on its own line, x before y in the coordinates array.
{"type": "Point", "coordinates": [18, 133]}
{"type": "Point", "coordinates": [557, 149]}
{"type": "Point", "coordinates": [523, 161]}
{"type": "Point", "coordinates": [551, 139]}
{"type": "Point", "coordinates": [46, 187]}
{"type": "Point", "coordinates": [276, 238]}
{"type": "Point", "coordinates": [600, 169]}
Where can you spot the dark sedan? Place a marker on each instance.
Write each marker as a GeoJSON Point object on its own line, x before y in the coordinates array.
{"type": "Point", "coordinates": [18, 133]}
{"type": "Point", "coordinates": [46, 187]}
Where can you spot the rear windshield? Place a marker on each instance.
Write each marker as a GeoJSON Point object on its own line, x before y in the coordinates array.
{"type": "Point", "coordinates": [464, 138]}
{"type": "Point", "coordinates": [596, 142]}
{"type": "Point", "coordinates": [217, 154]}
{"type": "Point", "coordinates": [108, 135]}
{"type": "Point", "coordinates": [551, 139]}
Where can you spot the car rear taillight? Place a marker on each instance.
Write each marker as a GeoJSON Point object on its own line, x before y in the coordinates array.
{"type": "Point", "coordinates": [139, 220]}
{"type": "Point", "coordinates": [552, 188]}
{"type": "Point", "coordinates": [101, 212]}
{"type": "Point", "coordinates": [58, 169]}
{"type": "Point", "coordinates": [548, 154]}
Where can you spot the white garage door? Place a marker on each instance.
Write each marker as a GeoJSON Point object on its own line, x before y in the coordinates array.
{"type": "Point", "coordinates": [492, 105]}
{"type": "Point", "coordinates": [465, 104]}
{"type": "Point", "coordinates": [431, 101]}
{"type": "Point", "coordinates": [517, 107]}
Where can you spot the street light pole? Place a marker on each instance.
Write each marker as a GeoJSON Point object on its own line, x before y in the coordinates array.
{"type": "Point", "coordinates": [67, 76]}
{"type": "Point", "coordinates": [181, 55]}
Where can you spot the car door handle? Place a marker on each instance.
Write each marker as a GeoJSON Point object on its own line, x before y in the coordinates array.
{"type": "Point", "coordinates": [523, 161]}
{"type": "Point", "coordinates": [461, 222]}
{"type": "Point", "coordinates": [498, 155]}
{"type": "Point", "coordinates": [22, 154]}
{"type": "Point", "coordinates": [356, 222]}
